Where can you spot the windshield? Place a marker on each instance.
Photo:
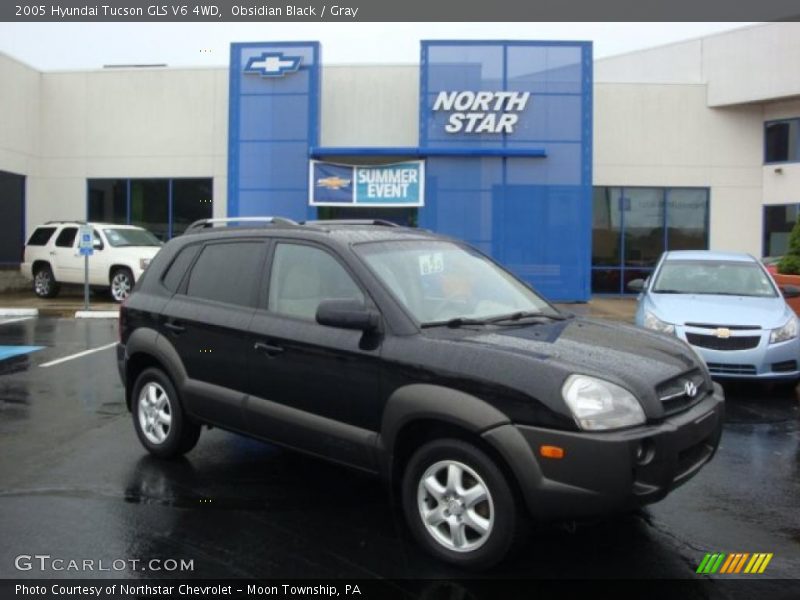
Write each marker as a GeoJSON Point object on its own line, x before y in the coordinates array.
{"type": "Point", "coordinates": [729, 278]}
{"type": "Point", "coordinates": [130, 237]}
{"type": "Point", "coordinates": [438, 281]}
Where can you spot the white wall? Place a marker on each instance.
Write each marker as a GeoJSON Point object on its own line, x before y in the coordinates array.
{"type": "Point", "coordinates": [19, 117]}
{"type": "Point", "coordinates": [370, 106]}
{"type": "Point", "coordinates": [664, 135]}
{"type": "Point", "coordinates": [126, 123]}
{"type": "Point", "coordinates": [681, 62]}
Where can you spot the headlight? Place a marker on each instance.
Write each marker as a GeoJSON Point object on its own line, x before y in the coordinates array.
{"type": "Point", "coordinates": [144, 263]}
{"type": "Point", "coordinates": [787, 332]}
{"type": "Point", "coordinates": [653, 322]}
{"type": "Point", "coordinates": [597, 404]}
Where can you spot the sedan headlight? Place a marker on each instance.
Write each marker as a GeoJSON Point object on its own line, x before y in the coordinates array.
{"type": "Point", "coordinates": [597, 404]}
{"type": "Point", "coordinates": [787, 332]}
{"type": "Point", "coordinates": [653, 322]}
{"type": "Point", "coordinates": [144, 263]}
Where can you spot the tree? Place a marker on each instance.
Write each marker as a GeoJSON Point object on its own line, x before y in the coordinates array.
{"type": "Point", "coordinates": [790, 263]}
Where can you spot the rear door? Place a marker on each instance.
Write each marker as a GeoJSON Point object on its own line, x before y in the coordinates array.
{"type": "Point", "coordinates": [67, 261]}
{"type": "Point", "coordinates": [208, 320]}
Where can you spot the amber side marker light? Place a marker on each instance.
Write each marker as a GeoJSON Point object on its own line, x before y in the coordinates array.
{"type": "Point", "coordinates": [551, 451]}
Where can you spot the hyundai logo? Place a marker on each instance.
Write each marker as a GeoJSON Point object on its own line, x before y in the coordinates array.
{"type": "Point", "coordinates": [690, 389]}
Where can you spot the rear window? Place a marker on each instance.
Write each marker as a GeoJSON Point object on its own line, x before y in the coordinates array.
{"type": "Point", "coordinates": [41, 236]}
{"type": "Point", "coordinates": [227, 273]}
{"type": "Point", "coordinates": [66, 238]}
{"type": "Point", "coordinates": [175, 272]}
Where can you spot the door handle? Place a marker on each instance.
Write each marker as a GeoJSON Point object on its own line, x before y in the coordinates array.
{"type": "Point", "coordinates": [267, 349]}
{"type": "Point", "coordinates": [174, 327]}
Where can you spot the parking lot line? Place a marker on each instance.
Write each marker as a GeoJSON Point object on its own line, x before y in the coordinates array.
{"type": "Point", "coordinates": [58, 361]}
{"type": "Point", "coordinates": [17, 320]}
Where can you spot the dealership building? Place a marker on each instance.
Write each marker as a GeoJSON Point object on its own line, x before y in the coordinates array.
{"type": "Point", "coordinates": [575, 173]}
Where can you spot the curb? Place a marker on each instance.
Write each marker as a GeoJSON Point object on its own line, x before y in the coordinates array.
{"type": "Point", "coordinates": [19, 312]}
{"type": "Point", "coordinates": [97, 314]}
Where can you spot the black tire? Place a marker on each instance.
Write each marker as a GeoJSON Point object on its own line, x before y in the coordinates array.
{"type": "Point", "coordinates": [502, 510]}
{"type": "Point", "coordinates": [180, 436]}
{"type": "Point", "coordinates": [121, 284]}
{"type": "Point", "coordinates": [44, 282]}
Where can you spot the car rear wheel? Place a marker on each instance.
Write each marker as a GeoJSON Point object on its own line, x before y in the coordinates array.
{"type": "Point", "coordinates": [44, 283]}
{"type": "Point", "coordinates": [158, 417]}
{"type": "Point", "coordinates": [459, 505]}
{"type": "Point", "coordinates": [121, 284]}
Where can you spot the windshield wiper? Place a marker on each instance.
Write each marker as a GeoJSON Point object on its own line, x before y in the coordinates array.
{"type": "Point", "coordinates": [455, 322]}
{"type": "Point", "coordinates": [526, 314]}
{"type": "Point", "coordinates": [670, 292]}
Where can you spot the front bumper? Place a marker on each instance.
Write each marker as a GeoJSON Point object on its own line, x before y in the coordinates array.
{"type": "Point", "coordinates": [767, 361]}
{"type": "Point", "coordinates": [599, 472]}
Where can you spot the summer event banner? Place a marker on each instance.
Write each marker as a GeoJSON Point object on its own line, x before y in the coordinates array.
{"type": "Point", "coordinates": [398, 184]}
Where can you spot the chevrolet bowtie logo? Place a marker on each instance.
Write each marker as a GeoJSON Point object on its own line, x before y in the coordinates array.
{"type": "Point", "coordinates": [722, 332]}
{"type": "Point", "coordinates": [333, 183]}
{"type": "Point", "coordinates": [273, 64]}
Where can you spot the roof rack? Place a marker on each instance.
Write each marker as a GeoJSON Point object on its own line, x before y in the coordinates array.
{"type": "Point", "coordinates": [265, 221]}
{"type": "Point", "coordinates": [382, 222]}
{"type": "Point", "coordinates": [64, 221]}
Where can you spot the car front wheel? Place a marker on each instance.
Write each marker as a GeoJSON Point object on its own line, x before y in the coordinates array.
{"type": "Point", "coordinates": [121, 284]}
{"type": "Point", "coordinates": [459, 505]}
{"type": "Point", "coordinates": [158, 417]}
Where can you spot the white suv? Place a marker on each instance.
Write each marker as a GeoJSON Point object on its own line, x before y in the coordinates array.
{"type": "Point", "coordinates": [121, 254]}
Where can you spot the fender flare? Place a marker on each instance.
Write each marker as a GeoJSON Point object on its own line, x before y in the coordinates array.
{"type": "Point", "coordinates": [145, 340]}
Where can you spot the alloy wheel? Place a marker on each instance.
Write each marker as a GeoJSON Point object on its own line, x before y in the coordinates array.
{"type": "Point", "coordinates": [155, 413]}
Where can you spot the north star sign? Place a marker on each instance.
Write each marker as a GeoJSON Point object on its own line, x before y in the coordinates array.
{"type": "Point", "coordinates": [481, 112]}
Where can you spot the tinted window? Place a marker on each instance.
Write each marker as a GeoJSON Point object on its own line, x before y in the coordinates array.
{"type": "Point", "coordinates": [782, 141]}
{"type": "Point", "coordinates": [175, 272]}
{"type": "Point", "coordinates": [303, 276]}
{"type": "Point", "coordinates": [227, 273]}
{"type": "Point", "coordinates": [66, 238]}
{"type": "Point", "coordinates": [41, 236]}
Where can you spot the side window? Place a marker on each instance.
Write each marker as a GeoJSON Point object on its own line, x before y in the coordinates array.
{"type": "Point", "coordinates": [227, 272]}
{"type": "Point", "coordinates": [66, 238]}
{"type": "Point", "coordinates": [177, 269]}
{"type": "Point", "coordinates": [41, 236]}
{"type": "Point", "coordinates": [303, 276]}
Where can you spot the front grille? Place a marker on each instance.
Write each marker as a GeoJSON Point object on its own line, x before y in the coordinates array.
{"type": "Point", "coordinates": [726, 369]}
{"type": "Point", "coordinates": [731, 327]}
{"type": "Point", "coordinates": [713, 342]}
{"type": "Point", "coordinates": [787, 366]}
{"type": "Point", "coordinates": [672, 392]}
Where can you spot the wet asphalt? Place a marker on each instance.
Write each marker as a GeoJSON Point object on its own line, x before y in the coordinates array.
{"type": "Point", "coordinates": [75, 483]}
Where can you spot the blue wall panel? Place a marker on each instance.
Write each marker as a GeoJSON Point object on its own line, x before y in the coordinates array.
{"type": "Point", "coordinates": [273, 121]}
{"type": "Point", "coordinates": [532, 214]}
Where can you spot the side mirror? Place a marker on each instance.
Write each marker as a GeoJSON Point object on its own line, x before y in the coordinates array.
{"type": "Point", "coordinates": [636, 285]}
{"type": "Point", "coordinates": [790, 291]}
{"type": "Point", "coordinates": [97, 244]}
{"type": "Point", "coordinates": [347, 314]}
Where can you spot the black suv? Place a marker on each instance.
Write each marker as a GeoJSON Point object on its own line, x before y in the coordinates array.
{"type": "Point", "coordinates": [417, 358]}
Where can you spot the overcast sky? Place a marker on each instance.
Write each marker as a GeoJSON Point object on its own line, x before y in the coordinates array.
{"type": "Point", "coordinates": [54, 46]}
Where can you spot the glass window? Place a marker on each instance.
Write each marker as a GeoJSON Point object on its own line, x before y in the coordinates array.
{"type": "Point", "coordinates": [687, 219]}
{"type": "Point", "coordinates": [66, 238]}
{"type": "Point", "coordinates": [778, 223]}
{"type": "Point", "coordinates": [174, 275]}
{"type": "Point", "coordinates": [781, 142]}
{"type": "Point", "coordinates": [41, 236]}
{"type": "Point", "coordinates": [191, 200]}
{"type": "Point", "coordinates": [728, 278]}
{"type": "Point", "coordinates": [644, 226]}
{"type": "Point", "coordinates": [606, 226]}
{"type": "Point", "coordinates": [150, 205]}
{"type": "Point", "coordinates": [227, 273]}
{"type": "Point", "coordinates": [108, 200]}
{"type": "Point", "coordinates": [438, 281]}
{"type": "Point", "coordinates": [123, 236]}
{"type": "Point", "coordinates": [303, 276]}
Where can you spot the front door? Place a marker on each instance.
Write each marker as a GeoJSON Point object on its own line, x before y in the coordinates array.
{"type": "Point", "coordinates": [310, 382]}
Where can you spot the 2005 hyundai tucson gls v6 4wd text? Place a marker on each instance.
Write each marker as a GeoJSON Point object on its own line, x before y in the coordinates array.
{"type": "Point", "coordinates": [417, 358]}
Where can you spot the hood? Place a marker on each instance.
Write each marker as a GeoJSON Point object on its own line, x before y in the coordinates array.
{"type": "Point", "coordinates": [766, 313]}
{"type": "Point", "coordinates": [145, 251]}
{"type": "Point", "coordinates": [611, 350]}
